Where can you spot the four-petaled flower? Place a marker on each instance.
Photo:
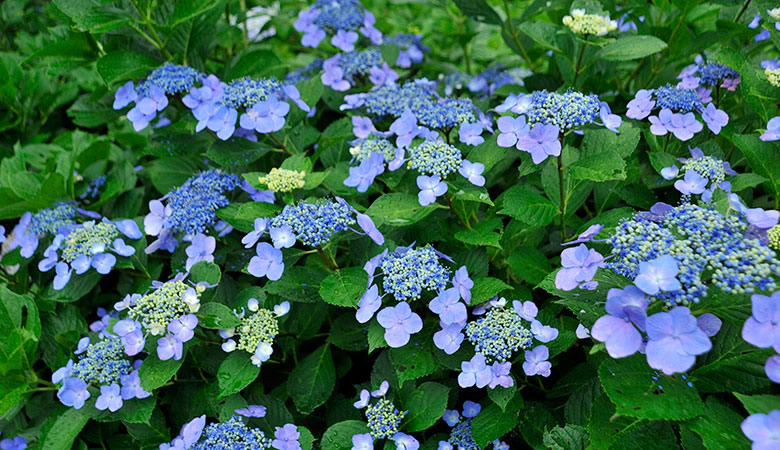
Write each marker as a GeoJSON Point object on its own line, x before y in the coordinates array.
{"type": "Point", "coordinates": [399, 323]}
{"type": "Point", "coordinates": [541, 142]}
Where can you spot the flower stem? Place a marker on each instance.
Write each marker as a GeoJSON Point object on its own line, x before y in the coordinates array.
{"type": "Point", "coordinates": [328, 261]}
{"type": "Point", "coordinates": [280, 144]}
{"type": "Point", "coordinates": [579, 63]}
{"type": "Point", "coordinates": [513, 33]}
{"type": "Point", "coordinates": [562, 196]}
{"type": "Point", "coordinates": [742, 11]}
{"type": "Point", "coordinates": [452, 208]}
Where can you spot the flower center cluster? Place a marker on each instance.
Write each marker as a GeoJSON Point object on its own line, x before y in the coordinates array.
{"type": "Point", "coordinates": [774, 237]}
{"type": "Point", "coordinates": [708, 167]}
{"type": "Point", "coordinates": [359, 63]}
{"type": "Point", "coordinates": [408, 273]}
{"type": "Point", "coordinates": [102, 363]}
{"type": "Point", "coordinates": [284, 180]}
{"type": "Point", "coordinates": [314, 223]}
{"type": "Point", "coordinates": [50, 220]}
{"type": "Point", "coordinates": [677, 99]}
{"type": "Point", "coordinates": [261, 326]}
{"type": "Point", "coordinates": [498, 334]}
{"type": "Point", "coordinates": [171, 78]}
{"type": "Point", "coordinates": [339, 15]}
{"type": "Point", "coordinates": [567, 110]}
{"type": "Point", "coordinates": [233, 435]}
{"type": "Point", "coordinates": [194, 203]}
{"type": "Point", "coordinates": [581, 23]}
{"type": "Point", "coordinates": [306, 72]}
{"type": "Point", "coordinates": [773, 75]}
{"type": "Point", "coordinates": [460, 436]}
{"type": "Point", "coordinates": [87, 239]}
{"type": "Point", "coordinates": [369, 146]}
{"type": "Point", "coordinates": [435, 158]}
{"type": "Point", "coordinates": [430, 110]}
{"type": "Point", "coordinates": [713, 74]}
{"type": "Point", "coordinates": [245, 92]}
{"type": "Point", "coordinates": [160, 307]}
{"type": "Point", "coordinates": [383, 419]}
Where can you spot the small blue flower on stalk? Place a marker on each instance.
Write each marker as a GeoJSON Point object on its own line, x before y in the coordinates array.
{"type": "Point", "coordinates": [475, 372]}
{"type": "Point", "coordinates": [626, 310]}
{"type": "Point", "coordinates": [252, 411]}
{"type": "Point", "coordinates": [430, 188]}
{"type": "Point", "coordinates": [256, 331]}
{"type": "Point", "coordinates": [88, 245]}
{"type": "Point", "coordinates": [201, 249]}
{"type": "Point", "coordinates": [579, 266]}
{"type": "Point", "coordinates": [658, 275]}
{"type": "Point", "coordinates": [674, 340]}
{"type": "Point", "coordinates": [460, 435]}
{"type": "Point", "coordinates": [541, 142]}
{"type": "Point", "coordinates": [384, 421]}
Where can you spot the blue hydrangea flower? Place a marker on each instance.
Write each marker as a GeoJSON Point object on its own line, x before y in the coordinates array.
{"type": "Point", "coordinates": [411, 49]}
{"type": "Point", "coordinates": [674, 340]}
{"type": "Point", "coordinates": [763, 430]}
{"type": "Point", "coordinates": [626, 310]}
{"type": "Point", "coordinates": [708, 74]}
{"type": "Point", "coordinates": [341, 19]}
{"type": "Point", "coordinates": [306, 72]}
{"type": "Point", "coordinates": [407, 272]}
{"type": "Point", "coordinates": [16, 443]}
{"type": "Point", "coordinates": [256, 331]}
{"type": "Point", "coordinates": [712, 170]}
{"type": "Point", "coordinates": [232, 434]}
{"type": "Point", "coordinates": [579, 266]}
{"type": "Point", "coordinates": [384, 420]}
{"type": "Point", "coordinates": [536, 362]}
{"type": "Point", "coordinates": [189, 209]}
{"type": "Point", "coordinates": [762, 328]}
{"type": "Point", "coordinates": [343, 70]}
{"type": "Point", "coordinates": [399, 322]}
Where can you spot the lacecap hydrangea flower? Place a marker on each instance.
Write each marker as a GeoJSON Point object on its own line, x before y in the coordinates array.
{"type": "Point", "coordinates": [104, 367]}
{"type": "Point", "coordinates": [32, 227]}
{"type": "Point", "coordinates": [411, 49]}
{"type": "Point", "coordinates": [543, 116]}
{"type": "Point", "coordinates": [485, 83]}
{"type": "Point", "coordinates": [700, 175]}
{"type": "Point", "coordinates": [346, 70]}
{"type": "Point", "coordinates": [312, 223]}
{"type": "Point", "coordinates": [579, 22]}
{"type": "Point", "coordinates": [151, 94]}
{"type": "Point", "coordinates": [341, 19]}
{"type": "Point", "coordinates": [233, 434]}
{"type": "Point", "coordinates": [708, 75]}
{"type": "Point", "coordinates": [167, 312]}
{"type": "Point", "coordinates": [190, 209]}
{"type": "Point", "coordinates": [283, 180]}
{"type": "Point", "coordinates": [384, 421]}
{"type": "Point", "coordinates": [498, 333]}
{"type": "Point", "coordinates": [79, 247]}
{"type": "Point", "coordinates": [677, 108]}
{"type": "Point", "coordinates": [460, 436]}
{"type": "Point", "coordinates": [256, 330]}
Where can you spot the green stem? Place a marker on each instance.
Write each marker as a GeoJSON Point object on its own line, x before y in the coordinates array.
{"type": "Point", "coordinates": [513, 33]}
{"type": "Point", "coordinates": [742, 11]}
{"type": "Point", "coordinates": [328, 261]}
{"type": "Point", "coordinates": [467, 57]}
{"type": "Point", "coordinates": [579, 63]}
{"type": "Point", "coordinates": [280, 144]}
{"type": "Point", "coordinates": [452, 208]}
{"type": "Point", "coordinates": [562, 195]}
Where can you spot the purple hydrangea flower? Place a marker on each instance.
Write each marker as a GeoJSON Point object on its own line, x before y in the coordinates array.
{"type": "Point", "coordinates": [131, 386]}
{"type": "Point", "coordinates": [586, 235]}
{"type": "Point", "coordinates": [73, 392]}
{"type": "Point", "coordinates": [367, 225]}
{"type": "Point", "coordinates": [362, 442]}
{"type": "Point", "coordinates": [618, 330]}
{"type": "Point", "coordinates": [709, 323]}
{"type": "Point", "coordinates": [536, 362]}
{"type": "Point", "coordinates": [693, 183]}
{"type": "Point", "coordinates": [475, 372]}
{"type": "Point", "coordinates": [191, 431]}
{"type": "Point", "coordinates": [406, 128]}
{"type": "Point", "coordinates": [684, 126]}
{"type": "Point", "coordinates": [369, 304]}
{"type": "Point", "coordinates": [382, 391]}
{"type": "Point", "coordinates": [286, 438]}
{"type": "Point", "coordinates": [714, 118]}
{"type": "Point", "coordinates": [201, 248]}
{"type": "Point", "coordinates": [333, 75]}
{"type": "Point", "coordinates": [543, 333]}
{"type": "Point", "coordinates": [641, 106]}
{"type": "Point", "coordinates": [611, 121]}
{"type": "Point", "coordinates": [183, 328]}
{"type": "Point", "coordinates": [763, 430]}
{"type": "Point", "coordinates": [762, 329]}
{"type": "Point", "coordinates": [362, 176]}
{"type": "Point", "coordinates": [674, 340]}
{"type": "Point", "coordinates": [449, 338]}
{"type": "Point", "coordinates": [344, 40]}
{"type": "Point", "coordinates": [512, 129]}
{"type": "Point", "coordinates": [463, 283]}
{"type": "Point", "coordinates": [772, 132]}
{"type": "Point", "coordinates": [541, 142]}
{"type": "Point", "coordinates": [252, 411]}
{"type": "Point", "coordinates": [266, 116]}
{"type": "Point", "coordinates": [473, 172]}
{"type": "Point", "coordinates": [430, 188]}
{"type": "Point", "coordinates": [579, 265]}
{"type": "Point", "coordinates": [282, 237]}
{"type": "Point", "coordinates": [500, 376]}
{"type": "Point", "coordinates": [658, 275]}
{"type": "Point", "coordinates": [362, 127]}
{"type": "Point", "coordinates": [404, 441]}
{"type": "Point", "coordinates": [169, 347]}
{"type": "Point", "coordinates": [761, 219]}
{"type": "Point", "coordinates": [132, 336]}
{"type": "Point", "coordinates": [772, 368]}
{"type": "Point", "coordinates": [448, 307]}
{"type": "Point", "coordinates": [267, 263]}
{"type": "Point", "coordinates": [399, 323]}
{"type": "Point", "coordinates": [379, 75]}
{"type": "Point", "coordinates": [662, 124]}
{"type": "Point", "coordinates": [471, 133]}
{"type": "Point", "coordinates": [110, 398]}
{"type": "Point", "coordinates": [125, 95]}
{"type": "Point", "coordinates": [251, 239]}
{"type": "Point", "coordinates": [17, 443]}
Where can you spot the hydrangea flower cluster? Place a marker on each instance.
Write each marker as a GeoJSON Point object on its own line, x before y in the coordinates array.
{"type": "Point", "coordinates": [543, 116]}
{"type": "Point", "coordinates": [32, 227]}
{"type": "Point", "coordinates": [93, 244]}
{"type": "Point", "coordinates": [342, 19]}
{"type": "Point", "coordinates": [701, 175]}
{"type": "Point", "coordinates": [486, 82]}
{"type": "Point", "coordinates": [311, 223]}
{"type": "Point", "coordinates": [708, 75]}
{"type": "Point", "coordinates": [384, 421]}
{"type": "Point", "coordinates": [677, 107]}
{"type": "Point", "coordinates": [460, 436]}
{"type": "Point", "coordinates": [497, 334]}
{"type": "Point", "coordinates": [102, 365]}
{"type": "Point", "coordinates": [586, 24]}
{"type": "Point", "coordinates": [345, 70]}
{"type": "Point", "coordinates": [151, 94]}
{"type": "Point", "coordinates": [283, 180]}
{"type": "Point", "coordinates": [411, 49]}
{"type": "Point", "coordinates": [306, 72]}
{"type": "Point", "coordinates": [189, 209]}
{"type": "Point", "coordinates": [168, 311]}
{"type": "Point", "coordinates": [256, 331]}
{"type": "Point", "coordinates": [234, 434]}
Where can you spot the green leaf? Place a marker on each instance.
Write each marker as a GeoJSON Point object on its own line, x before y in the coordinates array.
{"type": "Point", "coordinates": [488, 153]}
{"type": "Point", "coordinates": [719, 426]}
{"type": "Point", "coordinates": [744, 181]}
{"type": "Point", "coordinates": [604, 166]}
{"type": "Point", "coordinates": [477, 10]}
{"type": "Point", "coordinates": [154, 373]}
{"type": "Point", "coordinates": [216, 316]}
{"type": "Point", "coordinates": [631, 47]}
{"type": "Point", "coordinates": [235, 373]}
{"type": "Point", "coordinates": [61, 428]}
{"type": "Point", "coordinates": [88, 15]}
{"type": "Point", "coordinates": [348, 334]}
{"type": "Point", "coordinates": [628, 383]}
{"type": "Point", "coordinates": [241, 216]}
{"type": "Point", "coordinates": [529, 264]}
{"type": "Point", "coordinates": [759, 404]}
{"type": "Point", "coordinates": [587, 305]}
{"type": "Point", "coordinates": [121, 65]}
{"type": "Point", "coordinates": [763, 157]}
{"type": "Point", "coordinates": [312, 381]}
{"type": "Point", "coordinates": [542, 33]}
{"type": "Point", "coordinates": [187, 9]}
{"type": "Point", "coordinates": [492, 423]}
{"type": "Point", "coordinates": [13, 392]}
{"type": "Point", "coordinates": [535, 420]}
{"type": "Point", "coordinates": [344, 287]}
{"type": "Point", "coordinates": [502, 397]}
{"type": "Point", "coordinates": [521, 203]}
{"type": "Point", "coordinates": [169, 173]}
{"type": "Point", "coordinates": [339, 436]}
{"type": "Point", "coordinates": [610, 430]}
{"type": "Point", "coordinates": [205, 271]}
{"type": "Point", "coordinates": [570, 437]}
{"type": "Point", "coordinates": [138, 410]}
{"type": "Point", "coordinates": [482, 234]}
{"type": "Point", "coordinates": [398, 209]}
{"type": "Point", "coordinates": [486, 288]}
{"type": "Point", "coordinates": [20, 330]}
{"type": "Point", "coordinates": [414, 360]}
{"type": "Point", "coordinates": [661, 160]}
{"type": "Point", "coordinates": [600, 140]}
{"type": "Point", "coordinates": [236, 151]}
{"type": "Point", "coordinates": [425, 404]}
